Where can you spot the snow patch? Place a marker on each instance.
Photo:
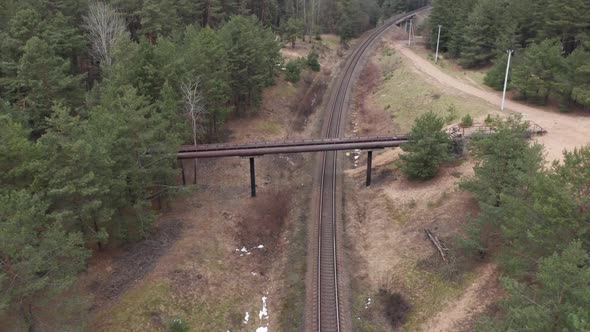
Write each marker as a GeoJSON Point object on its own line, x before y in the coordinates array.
{"type": "Point", "coordinates": [246, 318]}
{"type": "Point", "coordinates": [368, 303]}
{"type": "Point", "coordinates": [245, 252]}
{"type": "Point", "coordinates": [264, 312]}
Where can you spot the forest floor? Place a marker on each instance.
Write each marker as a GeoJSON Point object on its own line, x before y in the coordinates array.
{"type": "Point", "coordinates": [217, 259]}
{"type": "Point", "coordinates": [394, 265]}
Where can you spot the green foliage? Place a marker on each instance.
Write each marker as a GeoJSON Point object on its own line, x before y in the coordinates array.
{"type": "Point", "coordinates": [71, 177]}
{"type": "Point", "coordinates": [496, 75]}
{"type": "Point", "coordinates": [293, 70]}
{"type": "Point", "coordinates": [428, 147]}
{"type": "Point", "coordinates": [313, 61]}
{"type": "Point", "coordinates": [158, 18]}
{"type": "Point", "coordinates": [557, 300]}
{"type": "Point", "coordinates": [531, 213]}
{"type": "Point", "coordinates": [179, 325]}
{"type": "Point", "coordinates": [38, 256]}
{"type": "Point", "coordinates": [292, 30]}
{"type": "Point", "coordinates": [481, 33]}
{"type": "Point", "coordinates": [346, 27]}
{"type": "Point", "coordinates": [130, 127]}
{"type": "Point", "coordinates": [78, 168]}
{"type": "Point", "coordinates": [252, 56]}
{"type": "Point", "coordinates": [467, 121]}
{"type": "Point", "coordinates": [535, 77]}
{"type": "Point", "coordinates": [452, 15]}
{"type": "Point", "coordinates": [550, 43]}
{"type": "Point", "coordinates": [44, 79]}
{"type": "Point", "coordinates": [504, 160]}
{"type": "Point", "coordinates": [17, 155]}
{"type": "Point", "coordinates": [452, 114]}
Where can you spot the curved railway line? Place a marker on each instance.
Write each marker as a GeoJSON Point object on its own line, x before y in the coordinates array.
{"type": "Point", "coordinates": [327, 307]}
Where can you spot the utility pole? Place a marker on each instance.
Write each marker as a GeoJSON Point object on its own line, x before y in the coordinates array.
{"type": "Point", "coordinates": [506, 79]}
{"type": "Point", "coordinates": [437, 44]}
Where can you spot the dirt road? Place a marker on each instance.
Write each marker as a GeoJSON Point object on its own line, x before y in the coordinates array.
{"type": "Point", "coordinates": [565, 131]}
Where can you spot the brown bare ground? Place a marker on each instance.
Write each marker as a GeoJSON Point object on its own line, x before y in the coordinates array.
{"type": "Point", "coordinates": [460, 314]}
{"type": "Point", "coordinates": [196, 246]}
{"type": "Point", "coordinates": [385, 229]}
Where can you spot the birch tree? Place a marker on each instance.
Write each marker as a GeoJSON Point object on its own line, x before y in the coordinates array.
{"type": "Point", "coordinates": [106, 27]}
{"type": "Point", "coordinates": [194, 107]}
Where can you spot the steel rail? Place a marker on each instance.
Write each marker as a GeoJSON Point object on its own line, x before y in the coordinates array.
{"type": "Point", "coordinates": [328, 319]}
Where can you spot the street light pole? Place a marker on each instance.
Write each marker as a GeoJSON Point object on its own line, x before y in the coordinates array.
{"type": "Point", "coordinates": [506, 79]}
{"type": "Point", "coordinates": [437, 43]}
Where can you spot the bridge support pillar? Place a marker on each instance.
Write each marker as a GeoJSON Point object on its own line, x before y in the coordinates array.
{"type": "Point", "coordinates": [369, 166]}
{"type": "Point", "coordinates": [181, 162]}
{"type": "Point", "coordinates": [252, 177]}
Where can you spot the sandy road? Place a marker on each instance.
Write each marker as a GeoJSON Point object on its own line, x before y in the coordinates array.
{"type": "Point", "coordinates": [565, 131]}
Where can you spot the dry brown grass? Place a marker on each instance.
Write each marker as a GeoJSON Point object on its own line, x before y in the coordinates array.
{"type": "Point", "coordinates": [267, 220]}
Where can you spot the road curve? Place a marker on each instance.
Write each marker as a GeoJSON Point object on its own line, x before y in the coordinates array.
{"type": "Point", "coordinates": [327, 309]}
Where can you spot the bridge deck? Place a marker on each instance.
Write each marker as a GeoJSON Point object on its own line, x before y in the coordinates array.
{"type": "Point", "coordinates": [259, 149]}
{"type": "Point", "coordinates": [289, 143]}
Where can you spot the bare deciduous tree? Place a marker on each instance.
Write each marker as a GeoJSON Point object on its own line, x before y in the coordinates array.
{"type": "Point", "coordinates": [194, 106]}
{"type": "Point", "coordinates": [106, 27]}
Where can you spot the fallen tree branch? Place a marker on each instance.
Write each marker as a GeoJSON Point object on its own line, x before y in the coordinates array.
{"type": "Point", "coordinates": [441, 249]}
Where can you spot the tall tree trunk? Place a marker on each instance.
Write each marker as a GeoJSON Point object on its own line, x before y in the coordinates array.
{"type": "Point", "coordinates": [207, 16]}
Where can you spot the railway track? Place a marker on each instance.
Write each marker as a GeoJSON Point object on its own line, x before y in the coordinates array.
{"type": "Point", "coordinates": [327, 306]}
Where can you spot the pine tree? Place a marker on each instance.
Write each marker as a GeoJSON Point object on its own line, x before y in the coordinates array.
{"type": "Point", "coordinates": [504, 161]}
{"type": "Point", "coordinates": [205, 58]}
{"type": "Point", "coordinates": [141, 150]}
{"type": "Point", "coordinates": [496, 75]}
{"type": "Point", "coordinates": [557, 299]}
{"type": "Point", "coordinates": [292, 30]}
{"type": "Point", "coordinates": [75, 176]}
{"type": "Point", "coordinates": [39, 258]}
{"type": "Point", "coordinates": [427, 148]}
{"type": "Point", "coordinates": [452, 15]}
{"type": "Point", "coordinates": [25, 24]}
{"type": "Point", "coordinates": [346, 28]}
{"type": "Point", "coordinates": [481, 33]}
{"type": "Point", "coordinates": [252, 56]}
{"type": "Point", "coordinates": [535, 76]}
{"type": "Point", "coordinates": [44, 79]}
{"type": "Point", "coordinates": [158, 18]}
{"type": "Point", "coordinates": [565, 20]}
{"type": "Point", "coordinates": [574, 81]}
{"type": "Point", "coordinates": [17, 155]}
{"type": "Point", "coordinates": [63, 37]}
{"type": "Point", "coordinates": [211, 13]}
{"type": "Point", "coordinates": [138, 65]}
